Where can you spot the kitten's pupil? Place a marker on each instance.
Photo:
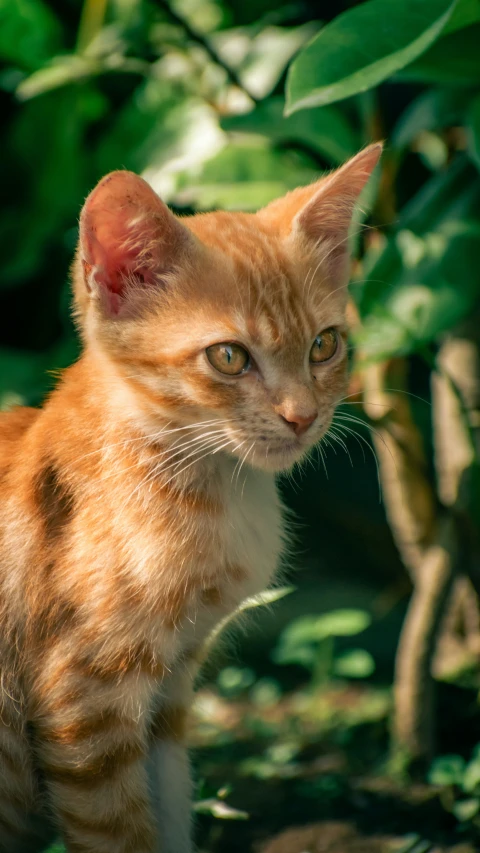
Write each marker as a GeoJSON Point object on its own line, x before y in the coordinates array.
{"type": "Point", "coordinates": [231, 359]}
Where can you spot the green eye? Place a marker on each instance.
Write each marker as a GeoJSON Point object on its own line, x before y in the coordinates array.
{"type": "Point", "coordinates": [228, 358]}
{"type": "Point", "coordinates": [324, 346]}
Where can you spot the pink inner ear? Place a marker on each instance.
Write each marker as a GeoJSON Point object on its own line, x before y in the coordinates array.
{"type": "Point", "coordinates": [127, 235]}
{"type": "Point", "coordinates": [110, 252]}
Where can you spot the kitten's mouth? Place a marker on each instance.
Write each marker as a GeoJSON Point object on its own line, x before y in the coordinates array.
{"type": "Point", "coordinates": [278, 455]}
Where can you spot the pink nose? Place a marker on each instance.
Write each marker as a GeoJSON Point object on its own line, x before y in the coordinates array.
{"type": "Point", "coordinates": [299, 423]}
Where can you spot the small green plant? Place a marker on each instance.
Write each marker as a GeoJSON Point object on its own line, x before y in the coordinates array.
{"type": "Point", "coordinates": [310, 642]}
{"type": "Point", "coordinates": [459, 783]}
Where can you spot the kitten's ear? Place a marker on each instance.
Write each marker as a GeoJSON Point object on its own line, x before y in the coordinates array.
{"type": "Point", "coordinates": [324, 210]}
{"type": "Point", "coordinates": [330, 209]}
{"type": "Point", "coordinates": [128, 238]}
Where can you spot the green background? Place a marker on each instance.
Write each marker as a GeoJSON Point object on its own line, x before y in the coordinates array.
{"type": "Point", "coordinates": [230, 103]}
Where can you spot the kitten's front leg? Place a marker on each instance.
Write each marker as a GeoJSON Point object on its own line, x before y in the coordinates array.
{"type": "Point", "coordinates": [90, 725]}
{"type": "Point", "coordinates": [168, 763]}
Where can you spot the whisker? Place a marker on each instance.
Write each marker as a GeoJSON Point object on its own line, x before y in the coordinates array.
{"type": "Point", "coordinates": [361, 438]}
{"type": "Point", "coordinates": [210, 452]}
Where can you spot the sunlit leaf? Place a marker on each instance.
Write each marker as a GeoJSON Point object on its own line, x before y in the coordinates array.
{"type": "Point", "coordinates": [413, 290]}
{"type": "Point", "coordinates": [355, 663]}
{"type": "Point", "coordinates": [471, 777]}
{"type": "Point", "coordinates": [245, 175]}
{"type": "Point", "coordinates": [447, 770]}
{"type": "Point", "coordinates": [60, 72]}
{"type": "Point", "coordinates": [261, 58]}
{"type": "Point", "coordinates": [220, 809]}
{"type": "Point", "coordinates": [465, 810]}
{"type": "Point", "coordinates": [263, 599]}
{"type": "Point", "coordinates": [362, 47]}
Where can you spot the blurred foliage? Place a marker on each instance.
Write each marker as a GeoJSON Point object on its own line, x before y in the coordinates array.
{"type": "Point", "coordinates": [231, 103]}
{"type": "Point", "coordinates": [459, 781]}
{"type": "Point", "coordinates": [191, 94]}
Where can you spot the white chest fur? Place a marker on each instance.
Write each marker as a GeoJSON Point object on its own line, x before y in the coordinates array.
{"type": "Point", "coordinates": [253, 527]}
{"type": "Point", "coordinates": [246, 544]}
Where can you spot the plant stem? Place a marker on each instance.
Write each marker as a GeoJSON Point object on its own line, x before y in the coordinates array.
{"type": "Point", "coordinates": [91, 22]}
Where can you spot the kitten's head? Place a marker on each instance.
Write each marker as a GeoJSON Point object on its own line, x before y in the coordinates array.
{"type": "Point", "coordinates": [233, 321]}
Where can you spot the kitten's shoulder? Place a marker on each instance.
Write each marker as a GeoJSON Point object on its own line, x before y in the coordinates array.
{"type": "Point", "coordinates": [15, 422]}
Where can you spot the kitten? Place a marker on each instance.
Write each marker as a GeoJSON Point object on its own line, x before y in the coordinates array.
{"type": "Point", "coordinates": [139, 505]}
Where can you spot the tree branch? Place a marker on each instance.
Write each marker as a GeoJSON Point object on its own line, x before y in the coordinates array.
{"type": "Point", "coordinates": [197, 37]}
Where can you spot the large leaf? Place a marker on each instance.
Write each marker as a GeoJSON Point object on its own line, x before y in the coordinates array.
{"type": "Point", "coordinates": [455, 58]}
{"type": "Point", "coordinates": [362, 47]}
{"type": "Point", "coordinates": [466, 12]}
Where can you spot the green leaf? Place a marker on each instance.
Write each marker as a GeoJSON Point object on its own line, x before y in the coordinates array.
{"type": "Point", "coordinates": [245, 175]}
{"type": "Point", "coordinates": [356, 663]}
{"type": "Point", "coordinates": [362, 47]}
{"type": "Point", "coordinates": [29, 33]}
{"type": "Point", "coordinates": [263, 599]}
{"type": "Point", "coordinates": [268, 596]}
{"type": "Point", "coordinates": [465, 810]}
{"type": "Point", "coordinates": [300, 640]}
{"type": "Point", "coordinates": [447, 770]}
{"type": "Point", "coordinates": [413, 291]}
{"type": "Point", "coordinates": [471, 778]}
{"type": "Point", "coordinates": [473, 130]}
{"type": "Point", "coordinates": [454, 59]}
{"type": "Point", "coordinates": [465, 13]}
{"type": "Point", "coordinates": [342, 623]}
{"type": "Point", "coordinates": [61, 71]}
{"type": "Point", "coordinates": [325, 130]}
{"type": "Point", "coordinates": [261, 60]}
{"type": "Point", "coordinates": [427, 296]}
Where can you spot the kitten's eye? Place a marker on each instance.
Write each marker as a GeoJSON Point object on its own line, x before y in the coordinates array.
{"type": "Point", "coordinates": [228, 358]}
{"type": "Point", "coordinates": [324, 346]}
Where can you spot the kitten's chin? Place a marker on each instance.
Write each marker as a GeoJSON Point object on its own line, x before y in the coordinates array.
{"type": "Point", "coordinates": [279, 458]}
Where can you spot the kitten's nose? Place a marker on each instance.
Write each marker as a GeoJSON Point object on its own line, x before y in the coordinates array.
{"type": "Point", "coordinates": [299, 423]}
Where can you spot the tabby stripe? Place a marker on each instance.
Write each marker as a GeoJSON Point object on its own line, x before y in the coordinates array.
{"type": "Point", "coordinates": [139, 659]}
{"type": "Point", "coordinates": [115, 824]}
{"type": "Point", "coordinates": [104, 767]}
{"type": "Point", "coordinates": [84, 729]}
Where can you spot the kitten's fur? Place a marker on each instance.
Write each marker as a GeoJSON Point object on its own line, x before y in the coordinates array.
{"type": "Point", "coordinates": [127, 527]}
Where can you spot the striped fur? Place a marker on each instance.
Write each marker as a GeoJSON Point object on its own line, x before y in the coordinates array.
{"type": "Point", "coordinates": [139, 506]}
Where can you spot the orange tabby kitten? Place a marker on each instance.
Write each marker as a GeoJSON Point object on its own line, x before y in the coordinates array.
{"type": "Point", "coordinates": [212, 345]}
